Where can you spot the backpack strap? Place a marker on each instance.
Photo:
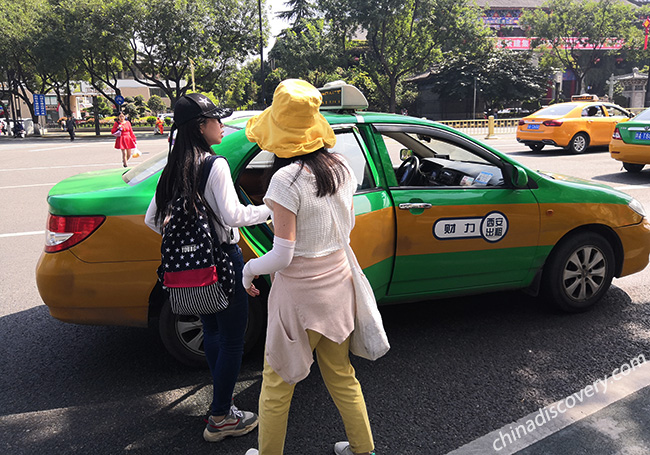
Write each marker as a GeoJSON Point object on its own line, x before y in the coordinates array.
{"type": "Point", "coordinates": [205, 174]}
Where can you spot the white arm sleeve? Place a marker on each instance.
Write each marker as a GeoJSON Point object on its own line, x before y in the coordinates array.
{"type": "Point", "coordinates": [149, 218]}
{"type": "Point", "coordinates": [277, 258]}
{"type": "Point", "coordinates": [221, 190]}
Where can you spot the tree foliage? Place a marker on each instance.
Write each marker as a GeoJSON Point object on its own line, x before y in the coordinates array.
{"type": "Point", "coordinates": [578, 33]}
{"type": "Point", "coordinates": [501, 76]}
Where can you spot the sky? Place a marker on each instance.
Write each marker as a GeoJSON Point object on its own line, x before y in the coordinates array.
{"type": "Point", "coordinates": [277, 25]}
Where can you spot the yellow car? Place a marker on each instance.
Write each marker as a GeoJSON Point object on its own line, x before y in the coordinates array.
{"type": "Point", "coordinates": [631, 143]}
{"type": "Point", "coordinates": [582, 123]}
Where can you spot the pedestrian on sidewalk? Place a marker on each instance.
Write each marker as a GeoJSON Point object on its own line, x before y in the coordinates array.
{"type": "Point", "coordinates": [311, 305]}
{"type": "Point", "coordinates": [125, 139]}
{"type": "Point", "coordinates": [198, 124]}
{"type": "Point", "coordinates": [70, 126]}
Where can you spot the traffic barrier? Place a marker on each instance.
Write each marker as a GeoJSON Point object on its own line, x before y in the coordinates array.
{"type": "Point", "coordinates": [482, 126]}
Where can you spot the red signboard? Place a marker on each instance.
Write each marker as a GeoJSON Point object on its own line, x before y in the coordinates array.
{"type": "Point", "coordinates": [523, 43]}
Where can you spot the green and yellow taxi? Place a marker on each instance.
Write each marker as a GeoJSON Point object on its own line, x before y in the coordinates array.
{"type": "Point", "coordinates": [438, 214]}
{"type": "Point", "coordinates": [582, 123]}
{"type": "Point", "coordinates": [630, 142]}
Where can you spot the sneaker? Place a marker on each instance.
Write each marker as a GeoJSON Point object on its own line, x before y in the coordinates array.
{"type": "Point", "coordinates": [236, 423]}
{"type": "Point", "coordinates": [252, 452]}
{"type": "Point", "coordinates": [343, 448]}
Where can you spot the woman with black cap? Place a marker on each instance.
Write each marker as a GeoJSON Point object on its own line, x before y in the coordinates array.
{"type": "Point", "coordinates": [312, 302]}
{"type": "Point", "coordinates": [198, 126]}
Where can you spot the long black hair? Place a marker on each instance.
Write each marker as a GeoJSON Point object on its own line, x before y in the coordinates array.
{"type": "Point", "coordinates": [329, 171]}
{"type": "Point", "coordinates": [181, 176]}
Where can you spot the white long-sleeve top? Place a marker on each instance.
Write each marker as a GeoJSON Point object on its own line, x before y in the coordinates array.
{"type": "Point", "coordinates": [221, 195]}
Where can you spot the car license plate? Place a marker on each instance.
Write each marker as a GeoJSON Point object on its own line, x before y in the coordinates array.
{"type": "Point", "coordinates": [643, 136]}
{"type": "Point", "coordinates": [533, 126]}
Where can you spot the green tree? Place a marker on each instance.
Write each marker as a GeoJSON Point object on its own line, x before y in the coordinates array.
{"type": "Point", "coordinates": [502, 77]}
{"type": "Point", "coordinates": [298, 10]}
{"type": "Point", "coordinates": [156, 104]}
{"type": "Point", "coordinates": [310, 52]}
{"type": "Point", "coordinates": [404, 37]}
{"type": "Point", "coordinates": [167, 37]}
{"type": "Point", "coordinates": [577, 33]}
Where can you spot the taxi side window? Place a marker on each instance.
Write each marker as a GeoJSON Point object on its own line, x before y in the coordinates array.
{"type": "Point", "coordinates": [593, 111]}
{"type": "Point", "coordinates": [440, 162]}
{"type": "Point", "coordinates": [613, 111]}
{"type": "Point", "coordinates": [348, 144]}
{"type": "Point", "coordinates": [253, 180]}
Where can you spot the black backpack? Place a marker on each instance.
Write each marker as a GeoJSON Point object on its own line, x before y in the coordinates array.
{"type": "Point", "coordinates": [197, 273]}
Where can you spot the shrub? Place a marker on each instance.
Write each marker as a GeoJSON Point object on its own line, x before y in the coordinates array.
{"type": "Point", "coordinates": [151, 120]}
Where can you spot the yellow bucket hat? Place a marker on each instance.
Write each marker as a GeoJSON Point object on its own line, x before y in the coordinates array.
{"type": "Point", "coordinates": [292, 125]}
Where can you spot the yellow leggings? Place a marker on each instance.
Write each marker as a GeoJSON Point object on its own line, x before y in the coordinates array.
{"type": "Point", "coordinates": [339, 377]}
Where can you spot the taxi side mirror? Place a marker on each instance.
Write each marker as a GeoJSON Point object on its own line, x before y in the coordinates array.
{"type": "Point", "coordinates": [405, 154]}
{"type": "Point", "coordinates": [516, 175]}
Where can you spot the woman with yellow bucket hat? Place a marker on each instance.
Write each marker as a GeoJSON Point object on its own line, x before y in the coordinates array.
{"type": "Point", "coordinates": [311, 302]}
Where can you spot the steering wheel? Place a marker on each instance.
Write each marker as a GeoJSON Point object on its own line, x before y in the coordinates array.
{"type": "Point", "coordinates": [407, 171]}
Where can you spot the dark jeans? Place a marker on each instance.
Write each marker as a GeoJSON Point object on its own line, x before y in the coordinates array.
{"type": "Point", "coordinates": [223, 339]}
{"type": "Point", "coordinates": [71, 133]}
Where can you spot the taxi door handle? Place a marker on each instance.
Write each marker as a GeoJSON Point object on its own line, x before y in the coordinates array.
{"type": "Point", "coordinates": [414, 205]}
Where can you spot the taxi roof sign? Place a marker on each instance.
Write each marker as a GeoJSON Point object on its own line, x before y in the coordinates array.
{"type": "Point", "coordinates": [338, 95]}
{"type": "Point", "coordinates": [584, 97]}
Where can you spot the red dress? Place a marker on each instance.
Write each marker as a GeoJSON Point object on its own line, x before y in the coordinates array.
{"type": "Point", "coordinates": [127, 139]}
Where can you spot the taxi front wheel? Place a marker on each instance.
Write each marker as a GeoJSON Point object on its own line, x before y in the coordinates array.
{"type": "Point", "coordinates": [182, 336]}
{"type": "Point", "coordinates": [579, 272]}
{"type": "Point", "coordinates": [579, 143]}
{"type": "Point", "coordinates": [632, 167]}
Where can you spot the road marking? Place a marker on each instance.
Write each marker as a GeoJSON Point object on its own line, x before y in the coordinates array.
{"type": "Point", "coordinates": [66, 147]}
{"type": "Point", "coordinates": [26, 186]}
{"type": "Point", "coordinates": [41, 168]}
{"type": "Point", "coordinates": [632, 187]}
{"type": "Point", "coordinates": [20, 234]}
{"type": "Point", "coordinates": [616, 390]}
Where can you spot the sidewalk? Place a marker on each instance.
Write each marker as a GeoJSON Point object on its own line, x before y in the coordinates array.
{"type": "Point", "coordinates": [83, 135]}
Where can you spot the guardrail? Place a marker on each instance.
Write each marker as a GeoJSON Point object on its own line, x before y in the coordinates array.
{"type": "Point", "coordinates": [482, 126]}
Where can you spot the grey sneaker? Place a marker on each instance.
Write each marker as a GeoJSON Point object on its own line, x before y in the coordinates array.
{"type": "Point", "coordinates": [343, 448]}
{"type": "Point", "coordinates": [236, 423]}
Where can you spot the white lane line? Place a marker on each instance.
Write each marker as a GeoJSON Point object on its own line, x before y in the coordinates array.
{"type": "Point", "coordinates": [21, 234]}
{"type": "Point", "coordinates": [542, 423]}
{"type": "Point", "coordinates": [41, 168]}
{"type": "Point", "coordinates": [26, 186]}
{"type": "Point", "coordinates": [65, 147]}
{"type": "Point", "coordinates": [631, 187]}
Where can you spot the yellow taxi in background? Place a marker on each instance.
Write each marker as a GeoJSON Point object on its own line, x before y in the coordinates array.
{"type": "Point", "coordinates": [584, 122]}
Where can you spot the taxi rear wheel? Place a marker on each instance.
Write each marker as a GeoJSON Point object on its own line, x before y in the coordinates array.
{"type": "Point", "coordinates": [579, 143]}
{"type": "Point", "coordinates": [536, 147]}
{"type": "Point", "coordinates": [579, 272]}
{"type": "Point", "coordinates": [634, 168]}
{"type": "Point", "coordinates": [182, 336]}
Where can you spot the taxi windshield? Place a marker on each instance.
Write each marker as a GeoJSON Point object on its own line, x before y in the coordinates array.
{"type": "Point", "coordinates": [558, 109]}
{"type": "Point", "coordinates": [153, 165]}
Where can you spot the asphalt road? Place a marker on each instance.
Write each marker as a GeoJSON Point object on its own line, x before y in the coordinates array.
{"type": "Point", "coordinates": [458, 368]}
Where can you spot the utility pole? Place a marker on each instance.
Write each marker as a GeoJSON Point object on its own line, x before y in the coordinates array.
{"type": "Point", "coordinates": [263, 96]}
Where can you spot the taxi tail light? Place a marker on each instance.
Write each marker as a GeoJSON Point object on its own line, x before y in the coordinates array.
{"type": "Point", "coordinates": [64, 232]}
{"type": "Point", "coordinates": [617, 134]}
{"type": "Point", "coordinates": [521, 122]}
{"type": "Point", "coordinates": [552, 122]}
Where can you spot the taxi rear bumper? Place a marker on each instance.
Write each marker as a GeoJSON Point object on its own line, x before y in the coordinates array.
{"type": "Point", "coordinates": [629, 153]}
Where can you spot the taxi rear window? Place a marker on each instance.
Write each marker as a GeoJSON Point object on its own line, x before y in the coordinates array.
{"type": "Point", "coordinates": [558, 109]}
{"type": "Point", "coordinates": [155, 164]}
{"type": "Point", "coordinates": [643, 116]}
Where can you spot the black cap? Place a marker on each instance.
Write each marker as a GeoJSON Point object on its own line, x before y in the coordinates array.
{"type": "Point", "coordinates": [196, 105]}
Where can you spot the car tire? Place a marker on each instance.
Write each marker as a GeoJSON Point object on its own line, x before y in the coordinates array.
{"type": "Point", "coordinates": [579, 143]}
{"type": "Point", "coordinates": [634, 168]}
{"type": "Point", "coordinates": [579, 272]}
{"type": "Point", "coordinates": [536, 147]}
{"type": "Point", "coordinates": [182, 336]}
